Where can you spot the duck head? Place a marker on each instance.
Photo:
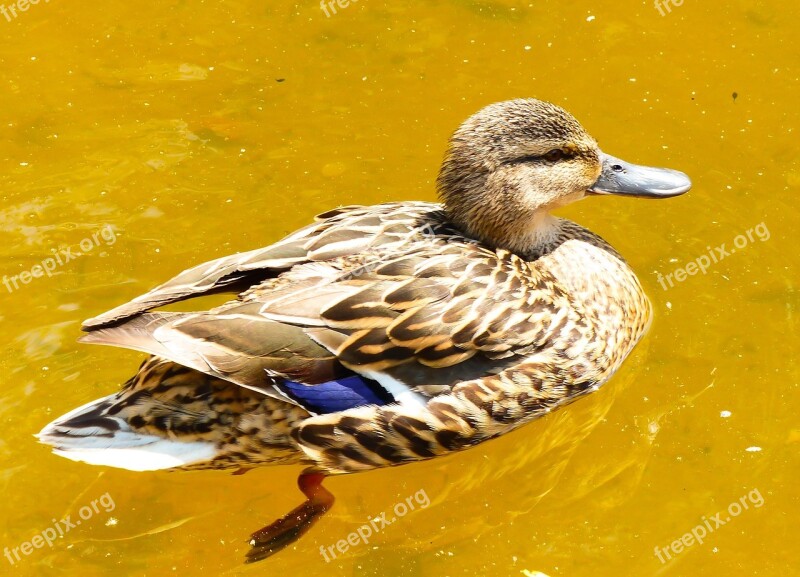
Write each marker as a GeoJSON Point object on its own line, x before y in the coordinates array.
{"type": "Point", "coordinates": [513, 162]}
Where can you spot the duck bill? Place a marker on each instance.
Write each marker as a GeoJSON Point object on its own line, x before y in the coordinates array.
{"type": "Point", "coordinates": [626, 179]}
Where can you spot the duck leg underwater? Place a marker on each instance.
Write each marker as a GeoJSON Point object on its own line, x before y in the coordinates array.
{"type": "Point", "coordinates": [289, 528]}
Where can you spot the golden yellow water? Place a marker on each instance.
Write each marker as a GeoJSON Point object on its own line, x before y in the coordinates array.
{"type": "Point", "coordinates": [195, 130]}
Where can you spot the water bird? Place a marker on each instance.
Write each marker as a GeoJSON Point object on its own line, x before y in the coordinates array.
{"type": "Point", "coordinates": [387, 334]}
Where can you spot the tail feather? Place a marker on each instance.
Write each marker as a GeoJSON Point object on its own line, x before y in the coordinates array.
{"type": "Point", "coordinates": [94, 435]}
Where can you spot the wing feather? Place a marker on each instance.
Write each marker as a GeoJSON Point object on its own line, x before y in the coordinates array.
{"type": "Point", "coordinates": [345, 231]}
{"type": "Point", "coordinates": [396, 297]}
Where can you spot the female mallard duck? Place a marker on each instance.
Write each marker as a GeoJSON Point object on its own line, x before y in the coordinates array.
{"type": "Point", "coordinates": [385, 334]}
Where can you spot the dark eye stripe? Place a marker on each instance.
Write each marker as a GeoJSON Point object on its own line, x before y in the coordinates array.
{"type": "Point", "coordinates": [523, 159]}
{"type": "Point", "coordinates": [555, 155]}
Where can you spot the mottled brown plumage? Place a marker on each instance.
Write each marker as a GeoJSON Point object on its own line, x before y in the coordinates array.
{"type": "Point", "coordinates": [467, 319]}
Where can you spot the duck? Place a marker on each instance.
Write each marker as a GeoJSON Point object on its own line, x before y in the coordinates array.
{"type": "Point", "coordinates": [388, 334]}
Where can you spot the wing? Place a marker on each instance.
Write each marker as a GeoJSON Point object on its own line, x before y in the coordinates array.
{"type": "Point", "coordinates": [345, 231]}
{"type": "Point", "coordinates": [417, 323]}
{"type": "Point", "coordinates": [433, 317]}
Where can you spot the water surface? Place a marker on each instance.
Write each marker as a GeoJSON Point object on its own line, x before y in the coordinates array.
{"type": "Point", "coordinates": [188, 131]}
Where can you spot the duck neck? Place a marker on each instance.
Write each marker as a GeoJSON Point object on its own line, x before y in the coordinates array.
{"type": "Point", "coordinates": [541, 233]}
{"type": "Point", "coordinates": [527, 233]}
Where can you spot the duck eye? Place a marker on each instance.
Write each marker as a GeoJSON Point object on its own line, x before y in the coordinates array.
{"type": "Point", "coordinates": [556, 154]}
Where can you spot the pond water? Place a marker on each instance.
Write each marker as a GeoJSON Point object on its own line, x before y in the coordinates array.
{"type": "Point", "coordinates": [154, 136]}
